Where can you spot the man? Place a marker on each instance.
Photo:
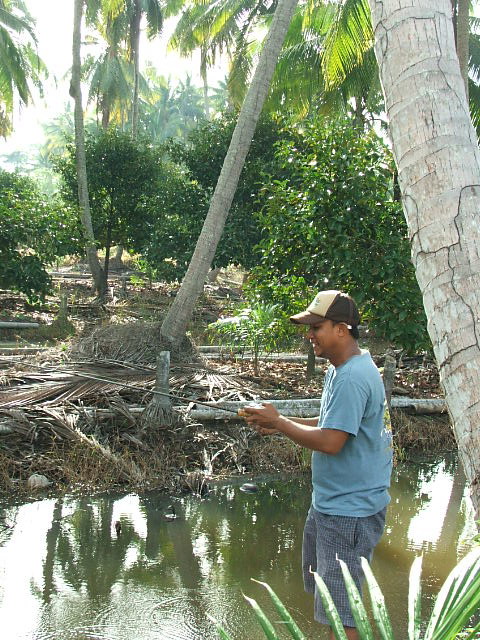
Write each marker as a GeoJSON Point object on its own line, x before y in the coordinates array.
{"type": "Point", "coordinates": [352, 452]}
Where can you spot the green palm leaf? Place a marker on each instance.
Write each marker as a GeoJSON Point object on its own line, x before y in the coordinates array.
{"type": "Point", "coordinates": [414, 602]}
{"type": "Point", "coordinates": [458, 600]}
{"type": "Point", "coordinates": [265, 623]}
{"type": "Point", "coordinates": [330, 608]}
{"type": "Point", "coordinates": [349, 38]}
{"type": "Point", "coordinates": [284, 614]}
{"type": "Point", "coordinates": [379, 609]}
{"type": "Point", "coordinates": [358, 610]}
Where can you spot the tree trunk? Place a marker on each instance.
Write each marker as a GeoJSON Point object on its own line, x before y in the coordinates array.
{"type": "Point", "coordinates": [438, 160]}
{"type": "Point", "coordinates": [203, 74]}
{"type": "Point", "coordinates": [108, 244]}
{"type": "Point", "coordinates": [462, 36]}
{"type": "Point", "coordinates": [179, 314]}
{"type": "Point", "coordinates": [135, 44]}
{"type": "Point", "coordinates": [83, 200]}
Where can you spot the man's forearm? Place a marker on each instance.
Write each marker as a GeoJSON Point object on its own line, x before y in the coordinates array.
{"type": "Point", "coordinates": [325, 440]}
{"type": "Point", "coordinates": [308, 422]}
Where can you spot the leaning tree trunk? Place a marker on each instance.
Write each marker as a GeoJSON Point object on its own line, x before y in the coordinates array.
{"type": "Point", "coordinates": [179, 314]}
{"type": "Point", "coordinates": [84, 204]}
{"type": "Point", "coordinates": [438, 160]}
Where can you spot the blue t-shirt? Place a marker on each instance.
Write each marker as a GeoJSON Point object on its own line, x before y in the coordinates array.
{"type": "Point", "coordinates": [355, 481]}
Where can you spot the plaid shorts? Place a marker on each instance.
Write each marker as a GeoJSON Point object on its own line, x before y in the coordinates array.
{"type": "Point", "coordinates": [327, 537]}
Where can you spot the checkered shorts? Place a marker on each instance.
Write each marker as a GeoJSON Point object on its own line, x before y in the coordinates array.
{"type": "Point", "coordinates": [324, 538]}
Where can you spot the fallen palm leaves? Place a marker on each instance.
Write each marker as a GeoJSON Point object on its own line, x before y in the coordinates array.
{"type": "Point", "coordinates": [43, 418]}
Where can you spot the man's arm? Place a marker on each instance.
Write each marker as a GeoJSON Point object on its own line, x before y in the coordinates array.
{"type": "Point", "coordinates": [303, 431]}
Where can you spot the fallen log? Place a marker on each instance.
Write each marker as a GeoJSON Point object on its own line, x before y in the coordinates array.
{"type": "Point", "coordinates": [19, 325]}
{"type": "Point", "coordinates": [228, 354]}
{"type": "Point", "coordinates": [300, 407]}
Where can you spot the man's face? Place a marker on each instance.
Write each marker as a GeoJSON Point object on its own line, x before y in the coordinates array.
{"type": "Point", "coordinates": [323, 337]}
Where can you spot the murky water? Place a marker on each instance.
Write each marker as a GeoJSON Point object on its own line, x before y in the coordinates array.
{"type": "Point", "coordinates": [66, 575]}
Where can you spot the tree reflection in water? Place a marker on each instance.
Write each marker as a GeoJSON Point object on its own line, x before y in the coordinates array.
{"type": "Point", "coordinates": [160, 578]}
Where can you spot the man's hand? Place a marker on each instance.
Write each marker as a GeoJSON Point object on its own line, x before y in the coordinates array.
{"type": "Point", "coordinates": [262, 419]}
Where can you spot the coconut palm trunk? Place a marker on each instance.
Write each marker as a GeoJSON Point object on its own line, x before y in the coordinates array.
{"type": "Point", "coordinates": [83, 199]}
{"type": "Point", "coordinates": [203, 74]}
{"type": "Point", "coordinates": [135, 46]}
{"type": "Point", "coordinates": [462, 38]}
{"type": "Point", "coordinates": [438, 160]}
{"type": "Point", "coordinates": [179, 314]}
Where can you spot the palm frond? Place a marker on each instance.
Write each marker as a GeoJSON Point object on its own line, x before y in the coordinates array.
{"type": "Point", "coordinates": [348, 40]}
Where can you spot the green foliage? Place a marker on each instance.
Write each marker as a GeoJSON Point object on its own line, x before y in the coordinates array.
{"type": "Point", "coordinates": [330, 222]}
{"type": "Point", "coordinates": [174, 221]}
{"type": "Point", "coordinates": [260, 328]}
{"type": "Point", "coordinates": [33, 233]}
{"type": "Point", "coordinates": [203, 154]}
{"type": "Point", "coordinates": [123, 179]}
{"type": "Point", "coordinates": [169, 111]}
{"type": "Point", "coordinates": [455, 604]}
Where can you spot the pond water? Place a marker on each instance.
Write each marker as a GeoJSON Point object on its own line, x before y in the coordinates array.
{"type": "Point", "coordinates": [66, 575]}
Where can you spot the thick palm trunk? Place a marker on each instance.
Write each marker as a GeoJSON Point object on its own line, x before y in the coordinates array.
{"type": "Point", "coordinates": [179, 314]}
{"type": "Point", "coordinates": [84, 204]}
{"type": "Point", "coordinates": [438, 160]}
{"type": "Point", "coordinates": [462, 36]}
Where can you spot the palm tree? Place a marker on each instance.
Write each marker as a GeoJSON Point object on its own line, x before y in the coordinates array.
{"type": "Point", "coordinates": [20, 65]}
{"type": "Point", "coordinates": [175, 323]}
{"type": "Point", "coordinates": [438, 160]}
{"type": "Point", "coordinates": [152, 10]}
{"type": "Point", "coordinates": [98, 274]}
{"type": "Point", "coordinates": [168, 111]}
{"type": "Point", "coordinates": [190, 36]}
{"type": "Point", "coordinates": [327, 62]}
{"type": "Point", "coordinates": [115, 76]}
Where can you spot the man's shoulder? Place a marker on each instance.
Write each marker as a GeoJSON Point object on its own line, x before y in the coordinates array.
{"type": "Point", "coordinates": [360, 365]}
{"type": "Point", "coordinates": [363, 372]}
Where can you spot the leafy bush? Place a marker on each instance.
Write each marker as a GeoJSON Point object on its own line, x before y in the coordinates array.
{"type": "Point", "coordinates": [34, 232]}
{"type": "Point", "coordinates": [455, 604]}
{"type": "Point", "coordinates": [330, 222]}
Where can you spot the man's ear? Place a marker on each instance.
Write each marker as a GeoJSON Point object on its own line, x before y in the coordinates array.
{"type": "Point", "coordinates": [342, 329]}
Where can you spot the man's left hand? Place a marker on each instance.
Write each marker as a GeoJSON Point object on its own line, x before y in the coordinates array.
{"type": "Point", "coordinates": [262, 419]}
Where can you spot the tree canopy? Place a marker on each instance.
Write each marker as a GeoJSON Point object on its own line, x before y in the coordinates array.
{"type": "Point", "coordinates": [330, 221]}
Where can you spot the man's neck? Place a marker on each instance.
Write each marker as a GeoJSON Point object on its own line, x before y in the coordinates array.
{"type": "Point", "coordinates": [345, 354]}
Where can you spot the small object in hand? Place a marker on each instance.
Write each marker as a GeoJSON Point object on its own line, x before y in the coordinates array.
{"type": "Point", "coordinates": [249, 487]}
{"type": "Point", "coordinates": [251, 405]}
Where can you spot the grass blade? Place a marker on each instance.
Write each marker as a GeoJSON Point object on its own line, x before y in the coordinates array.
{"type": "Point", "coordinates": [290, 623]}
{"type": "Point", "coordinates": [265, 623]}
{"type": "Point", "coordinates": [358, 610]}
{"type": "Point", "coordinates": [414, 600]}
{"type": "Point", "coordinates": [379, 609]}
{"type": "Point", "coordinates": [330, 609]}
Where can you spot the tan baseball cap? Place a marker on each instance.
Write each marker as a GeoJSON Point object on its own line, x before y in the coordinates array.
{"type": "Point", "coordinates": [333, 305]}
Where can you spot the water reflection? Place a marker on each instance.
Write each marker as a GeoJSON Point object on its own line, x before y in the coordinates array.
{"type": "Point", "coordinates": [66, 574]}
